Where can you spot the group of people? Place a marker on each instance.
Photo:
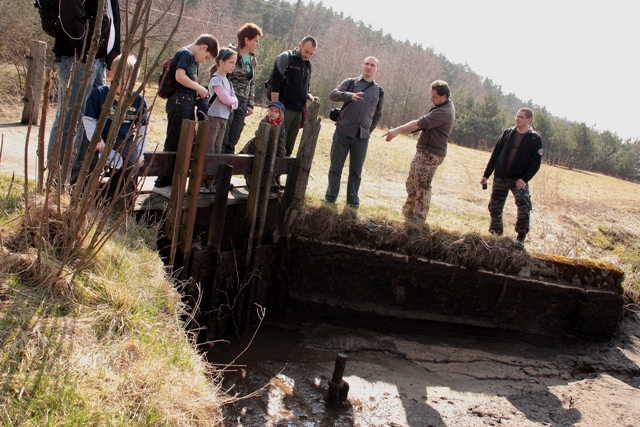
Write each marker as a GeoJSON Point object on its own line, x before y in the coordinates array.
{"type": "Point", "coordinates": [229, 99]}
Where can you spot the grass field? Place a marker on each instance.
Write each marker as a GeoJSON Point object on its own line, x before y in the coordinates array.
{"type": "Point", "coordinates": [576, 213]}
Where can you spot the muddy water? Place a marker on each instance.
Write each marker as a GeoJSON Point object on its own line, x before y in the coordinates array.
{"type": "Point", "coordinates": [430, 380]}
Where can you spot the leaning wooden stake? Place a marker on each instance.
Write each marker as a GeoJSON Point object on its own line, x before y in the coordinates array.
{"type": "Point", "coordinates": [306, 151]}
{"type": "Point", "coordinates": [33, 83]}
{"type": "Point", "coordinates": [193, 193]}
{"type": "Point", "coordinates": [180, 174]}
{"type": "Point", "coordinates": [41, 132]}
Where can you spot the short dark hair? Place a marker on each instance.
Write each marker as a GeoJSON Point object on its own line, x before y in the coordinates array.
{"type": "Point", "coordinates": [528, 112]}
{"type": "Point", "coordinates": [209, 41]}
{"type": "Point", "coordinates": [311, 39]}
{"type": "Point", "coordinates": [441, 87]}
{"type": "Point", "coordinates": [249, 31]}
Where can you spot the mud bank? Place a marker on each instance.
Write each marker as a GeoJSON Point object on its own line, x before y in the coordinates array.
{"type": "Point", "coordinates": [443, 379]}
{"type": "Point", "coordinates": [547, 301]}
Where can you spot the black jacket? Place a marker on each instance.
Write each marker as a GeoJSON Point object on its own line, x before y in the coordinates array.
{"type": "Point", "coordinates": [526, 162]}
{"type": "Point", "coordinates": [291, 77]}
{"type": "Point", "coordinates": [73, 34]}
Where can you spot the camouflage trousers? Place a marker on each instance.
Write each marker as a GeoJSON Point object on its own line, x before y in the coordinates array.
{"type": "Point", "coordinates": [423, 168]}
{"type": "Point", "coordinates": [499, 193]}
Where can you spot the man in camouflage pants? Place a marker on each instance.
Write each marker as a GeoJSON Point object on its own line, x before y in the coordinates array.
{"type": "Point", "coordinates": [431, 150]}
{"type": "Point", "coordinates": [516, 158]}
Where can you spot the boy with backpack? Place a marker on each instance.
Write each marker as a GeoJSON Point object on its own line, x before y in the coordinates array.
{"type": "Point", "coordinates": [181, 104]}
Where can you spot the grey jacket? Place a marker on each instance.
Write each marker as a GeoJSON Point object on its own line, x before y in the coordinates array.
{"type": "Point", "coordinates": [362, 115]}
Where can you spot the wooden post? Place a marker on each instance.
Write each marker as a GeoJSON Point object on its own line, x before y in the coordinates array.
{"type": "Point", "coordinates": [256, 182]}
{"type": "Point", "coordinates": [306, 151]}
{"type": "Point", "coordinates": [267, 179]}
{"type": "Point", "coordinates": [219, 207]}
{"type": "Point", "coordinates": [180, 174]}
{"type": "Point", "coordinates": [43, 124]}
{"type": "Point", "coordinates": [33, 83]}
{"type": "Point", "coordinates": [193, 193]}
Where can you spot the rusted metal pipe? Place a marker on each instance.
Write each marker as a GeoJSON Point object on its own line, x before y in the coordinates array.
{"type": "Point", "coordinates": [338, 388]}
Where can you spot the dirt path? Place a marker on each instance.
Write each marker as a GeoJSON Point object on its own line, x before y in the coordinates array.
{"type": "Point", "coordinates": [14, 137]}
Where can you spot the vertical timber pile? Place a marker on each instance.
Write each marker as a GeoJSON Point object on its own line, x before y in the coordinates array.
{"type": "Point", "coordinates": [256, 213]}
{"type": "Point", "coordinates": [34, 81]}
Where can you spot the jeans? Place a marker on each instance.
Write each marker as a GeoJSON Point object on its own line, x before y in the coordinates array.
{"type": "Point", "coordinates": [70, 91]}
{"type": "Point", "coordinates": [180, 106]}
{"type": "Point", "coordinates": [235, 124]}
{"type": "Point", "coordinates": [356, 148]}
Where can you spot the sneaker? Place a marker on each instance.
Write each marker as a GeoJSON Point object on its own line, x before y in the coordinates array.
{"type": "Point", "coordinates": [520, 240]}
{"type": "Point", "coordinates": [163, 191]}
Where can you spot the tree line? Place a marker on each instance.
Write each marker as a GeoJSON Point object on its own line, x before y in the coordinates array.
{"type": "Point", "coordinates": [407, 69]}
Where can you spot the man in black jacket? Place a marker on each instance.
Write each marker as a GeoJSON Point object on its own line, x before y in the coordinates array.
{"type": "Point", "coordinates": [516, 158]}
{"type": "Point", "coordinates": [290, 81]}
{"type": "Point", "coordinates": [74, 30]}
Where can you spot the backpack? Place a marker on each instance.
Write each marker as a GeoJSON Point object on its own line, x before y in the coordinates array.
{"type": "Point", "coordinates": [49, 15]}
{"type": "Point", "coordinates": [267, 84]}
{"type": "Point", "coordinates": [167, 79]}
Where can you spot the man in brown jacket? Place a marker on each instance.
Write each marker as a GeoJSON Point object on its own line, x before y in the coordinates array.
{"type": "Point", "coordinates": [435, 128]}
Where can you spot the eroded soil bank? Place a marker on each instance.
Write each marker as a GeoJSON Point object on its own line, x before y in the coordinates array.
{"type": "Point", "coordinates": [431, 380]}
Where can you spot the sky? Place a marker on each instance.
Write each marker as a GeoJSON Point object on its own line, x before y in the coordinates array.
{"type": "Point", "coordinates": [580, 61]}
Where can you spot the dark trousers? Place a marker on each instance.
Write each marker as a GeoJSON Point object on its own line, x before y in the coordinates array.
{"type": "Point", "coordinates": [499, 193]}
{"type": "Point", "coordinates": [180, 106]}
{"type": "Point", "coordinates": [235, 124]}
{"type": "Point", "coordinates": [342, 146]}
{"type": "Point", "coordinates": [291, 125]}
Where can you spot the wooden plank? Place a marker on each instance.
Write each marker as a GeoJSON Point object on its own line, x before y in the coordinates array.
{"type": "Point", "coordinates": [219, 213]}
{"type": "Point", "coordinates": [193, 193]}
{"type": "Point", "coordinates": [267, 179]}
{"type": "Point", "coordinates": [178, 184]}
{"type": "Point", "coordinates": [306, 151]}
{"type": "Point", "coordinates": [161, 163]}
{"type": "Point", "coordinates": [256, 182]}
{"type": "Point", "coordinates": [34, 82]}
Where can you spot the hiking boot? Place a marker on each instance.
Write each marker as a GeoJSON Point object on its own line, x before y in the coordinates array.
{"type": "Point", "coordinates": [520, 240]}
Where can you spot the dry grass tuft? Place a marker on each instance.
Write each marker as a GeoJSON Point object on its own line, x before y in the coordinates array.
{"type": "Point", "coordinates": [104, 346]}
{"type": "Point", "coordinates": [469, 250]}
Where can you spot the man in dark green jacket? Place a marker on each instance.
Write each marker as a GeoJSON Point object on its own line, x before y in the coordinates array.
{"type": "Point", "coordinates": [290, 82]}
{"type": "Point", "coordinates": [516, 158]}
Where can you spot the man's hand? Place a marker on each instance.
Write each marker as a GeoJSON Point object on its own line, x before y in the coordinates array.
{"type": "Point", "coordinates": [483, 181]}
{"type": "Point", "coordinates": [520, 184]}
{"type": "Point", "coordinates": [249, 111]}
{"type": "Point", "coordinates": [357, 96]}
{"type": "Point", "coordinates": [313, 98]}
{"type": "Point", "coordinates": [140, 162]}
{"type": "Point", "coordinates": [100, 146]}
{"type": "Point", "coordinates": [390, 134]}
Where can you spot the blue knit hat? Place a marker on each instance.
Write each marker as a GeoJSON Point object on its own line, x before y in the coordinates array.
{"type": "Point", "coordinates": [278, 104]}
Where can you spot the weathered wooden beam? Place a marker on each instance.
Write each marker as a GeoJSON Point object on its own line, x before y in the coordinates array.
{"type": "Point", "coordinates": [306, 151]}
{"type": "Point", "coordinates": [161, 163]}
{"type": "Point", "coordinates": [34, 81]}
{"type": "Point", "coordinates": [180, 174]}
{"type": "Point", "coordinates": [219, 213]}
{"type": "Point", "coordinates": [193, 192]}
